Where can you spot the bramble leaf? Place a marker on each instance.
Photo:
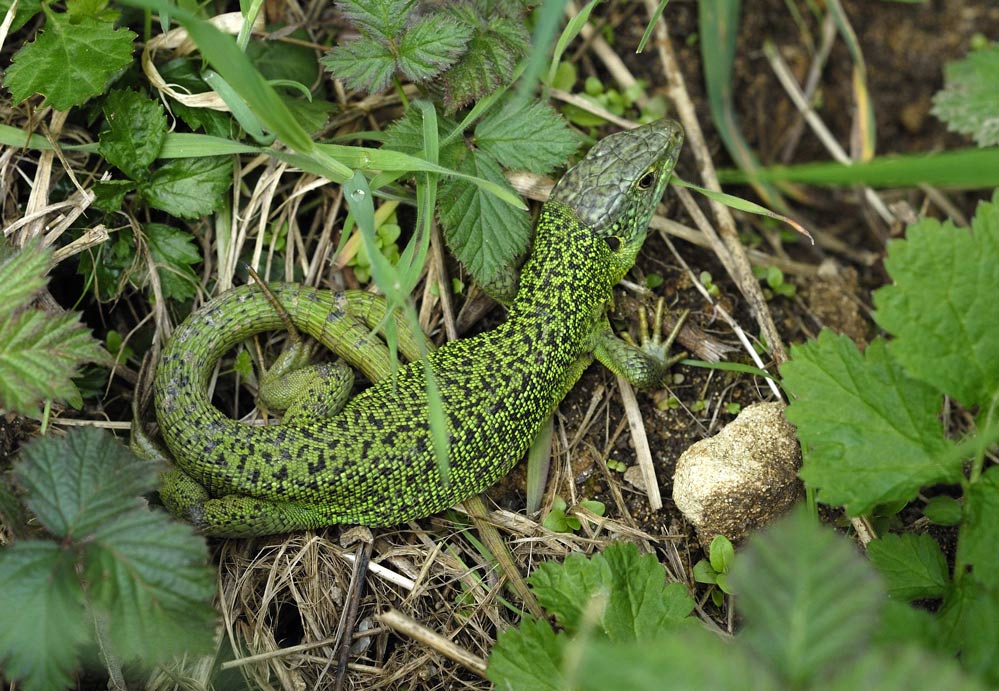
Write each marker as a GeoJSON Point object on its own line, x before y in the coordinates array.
{"type": "Point", "coordinates": [969, 101]}
{"type": "Point", "coordinates": [22, 274]}
{"type": "Point", "coordinates": [911, 564]}
{"type": "Point", "coordinates": [485, 233]}
{"type": "Point", "coordinates": [70, 61]}
{"type": "Point", "coordinates": [174, 252]}
{"type": "Point", "coordinates": [137, 128]}
{"type": "Point", "coordinates": [361, 64]}
{"type": "Point", "coordinates": [430, 46]}
{"type": "Point", "coordinates": [528, 658]}
{"type": "Point", "coordinates": [870, 434]}
{"type": "Point", "coordinates": [44, 621]}
{"type": "Point", "coordinates": [529, 135]}
{"type": "Point", "coordinates": [189, 187]}
{"type": "Point", "coordinates": [384, 18]}
{"type": "Point", "coordinates": [809, 600]}
{"type": "Point", "coordinates": [941, 306]}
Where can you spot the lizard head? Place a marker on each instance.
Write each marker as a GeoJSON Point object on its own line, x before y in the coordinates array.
{"type": "Point", "coordinates": [616, 187]}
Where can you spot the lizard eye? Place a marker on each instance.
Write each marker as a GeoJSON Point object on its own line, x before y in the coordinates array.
{"type": "Point", "coordinates": [613, 242]}
{"type": "Point", "coordinates": [647, 181]}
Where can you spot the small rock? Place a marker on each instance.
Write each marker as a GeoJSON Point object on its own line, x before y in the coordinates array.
{"type": "Point", "coordinates": [741, 478]}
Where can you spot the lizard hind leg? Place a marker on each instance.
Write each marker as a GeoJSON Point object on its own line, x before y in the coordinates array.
{"type": "Point", "coordinates": [235, 515]}
{"type": "Point", "coordinates": [305, 392]}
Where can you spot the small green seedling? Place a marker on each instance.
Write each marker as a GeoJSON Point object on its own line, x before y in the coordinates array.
{"type": "Point", "coordinates": [559, 521]}
{"type": "Point", "coordinates": [714, 571]}
{"type": "Point", "coordinates": [708, 283]}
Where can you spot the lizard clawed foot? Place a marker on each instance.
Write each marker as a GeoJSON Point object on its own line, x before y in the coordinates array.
{"type": "Point", "coordinates": [652, 343]}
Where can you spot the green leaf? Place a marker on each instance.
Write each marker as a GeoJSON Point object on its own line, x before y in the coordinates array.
{"type": "Point", "coordinates": [528, 135]}
{"type": "Point", "coordinates": [704, 573]}
{"type": "Point", "coordinates": [941, 308]}
{"type": "Point", "coordinates": [496, 46]}
{"type": "Point", "coordinates": [809, 600]}
{"type": "Point", "coordinates": [26, 9]}
{"type": "Point", "coordinates": [69, 62]}
{"type": "Point", "coordinates": [184, 74]}
{"type": "Point", "coordinates": [44, 621]}
{"type": "Point", "coordinates": [22, 274]}
{"type": "Point", "coordinates": [969, 621]}
{"type": "Point", "coordinates": [639, 601]}
{"type": "Point", "coordinates": [385, 18]}
{"type": "Point", "coordinates": [110, 194]}
{"type": "Point", "coordinates": [484, 233]}
{"type": "Point", "coordinates": [910, 668]}
{"type": "Point", "coordinates": [870, 433]}
{"type": "Point", "coordinates": [528, 658]}
{"type": "Point", "coordinates": [976, 541]}
{"type": "Point", "coordinates": [189, 187]}
{"type": "Point", "coordinates": [943, 510]}
{"type": "Point", "coordinates": [911, 564]}
{"type": "Point", "coordinates": [901, 623]}
{"type": "Point", "coordinates": [282, 60]}
{"type": "Point", "coordinates": [137, 127]}
{"type": "Point", "coordinates": [688, 659]}
{"type": "Point", "coordinates": [969, 100]}
{"type": "Point", "coordinates": [721, 553]}
{"type": "Point", "coordinates": [40, 354]}
{"type": "Point", "coordinates": [430, 46]}
{"type": "Point", "coordinates": [149, 574]}
{"type": "Point", "coordinates": [361, 64]}
{"type": "Point", "coordinates": [174, 253]}
{"type": "Point", "coordinates": [81, 481]}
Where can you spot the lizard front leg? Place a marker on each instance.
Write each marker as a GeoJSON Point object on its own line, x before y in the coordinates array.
{"type": "Point", "coordinates": [647, 364]}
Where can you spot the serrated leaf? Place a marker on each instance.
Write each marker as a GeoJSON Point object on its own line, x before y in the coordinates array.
{"type": "Point", "coordinates": [361, 64]}
{"type": "Point", "coordinates": [174, 252]}
{"type": "Point", "coordinates": [941, 308]}
{"type": "Point", "coordinates": [484, 233]}
{"type": "Point", "coordinates": [137, 127]}
{"type": "Point", "coordinates": [81, 481]}
{"type": "Point", "coordinates": [110, 194]}
{"type": "Point", "coordinates": [902, 624]}
{"type": "Point", "coordinates": [26, 9]}
{"type": "Point", "coordinates": [689, 659]}
{"type": "Point", "coordinates": [528, 658]}
{"type": "Point", "coordinates": [911, 564]}
{"type": "Point", "coordinates": [528, 135]}
{"type": "Point", "coordinates": [910, 668]}
{"type": "Point", "coordinates": [969, 622]}
{"type": "Point", "coordinates": [189, 187]}
{"type": "Point", "coordinates": [943, 510]}
{"type": "Point", "coordinates": [808, 599]}
{"type": "Point", "coordinates": [44, 621]}
{"type": "Point", "coordinates": [39, 356]}
{"type": "Point", "coordinates": [870, 434]}
{"type": "Point", "coordinates": [148, 573]}
{"type": "Point", "coordinates": [430, 46]}
{"type": "Point", "coordinates": [70, 62]}
{"type": "Point", "coordinates": [969, 100]}
{"type": "Point", "coordinates": [498, 44]}
{"type": "Point", "coordinates": [640, 603]}
{"type": "Point", "coordinates": [385, 18]}
{"type": "Point", "coordinates": [22, 274]}
{"type": "Point", "coordinates": [976, 541]}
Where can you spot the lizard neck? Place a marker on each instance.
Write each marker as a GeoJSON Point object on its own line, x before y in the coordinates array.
{"type": "Point", "coordinates": [568, 278]}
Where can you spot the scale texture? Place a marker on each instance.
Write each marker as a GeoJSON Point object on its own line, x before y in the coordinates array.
{"type": "Point", "coordinates": [373, 462]}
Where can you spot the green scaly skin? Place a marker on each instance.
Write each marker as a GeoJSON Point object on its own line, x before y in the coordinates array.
{"type": "Point", "coordinates": [373, 463]}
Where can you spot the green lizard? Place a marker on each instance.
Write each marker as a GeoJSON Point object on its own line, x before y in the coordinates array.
{"type": "Point", "coordinates": [372, 462]}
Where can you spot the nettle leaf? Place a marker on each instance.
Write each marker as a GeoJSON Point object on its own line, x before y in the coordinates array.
{"type": "Point", "coordinates": [144, 572]}
{"type": "Point", "coordinates": [809, 600]}
{"type": "Point", "coordinates": [969, 100]}
{"type": "Point", "coordinates": [385, 18]}
{"type": "Point", "coordinates": [362, 64]}
{"type": "Point", "coordinates": [137, 128]}
{"type": "Point", "coordinates": [976, 542]}
{"type": "Point", "coordinates": [528, 135]}
{"type": "Point", "coordinates": [40, 354]}
{"type": "Point", "coordinates": [528, 658]}
{"type": "Point", "coordinates": [430, 46]}
{"type": "Point", "coordinates": [174, 253]}
{"type": "Point", "coordinates": [485, 233]}
{"type": "Point", "coordinates": [71, 61]}
{"type": "Point", "coordinates": [44, 621]}
{"type": "Point", "coordinates": [941, 306]}
{"type": "Point", "coordinates": [912, 565]}
{"type": "Point", "coordinates": [870, 434]}
{"type": "Point", "coordinates": [498, 43]}
{"type": "Point", "coordinates": [639, 602]}
{"type": "Point", "coordinates": [189, 187]}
